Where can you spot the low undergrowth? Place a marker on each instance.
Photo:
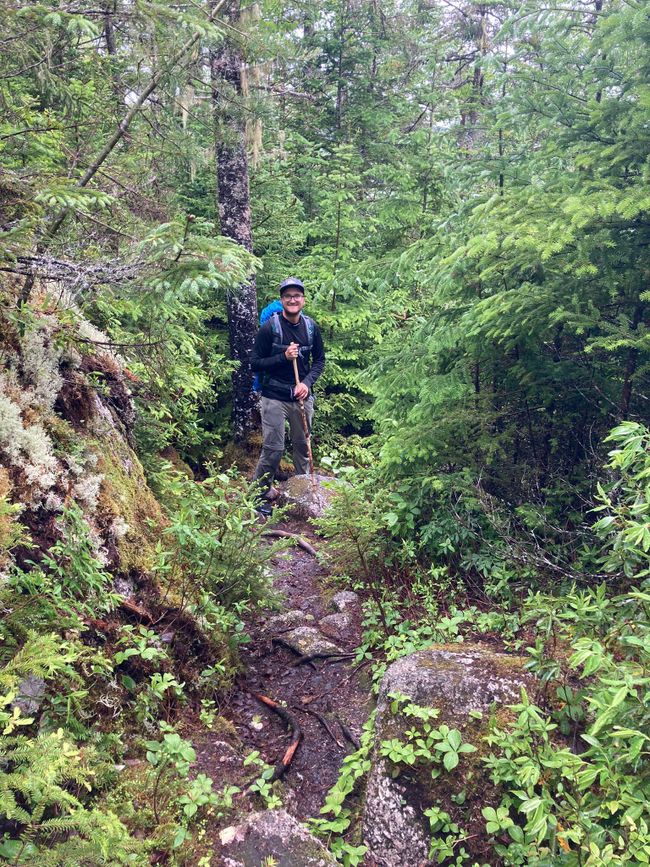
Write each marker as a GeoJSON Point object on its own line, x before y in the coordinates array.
{"type": "Point", "coordinates": [571, 771]}
{"type": "Point", "coordinates": [92, 768]}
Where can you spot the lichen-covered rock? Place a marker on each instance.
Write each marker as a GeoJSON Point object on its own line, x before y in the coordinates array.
{"type": "Point", "coordinates": [276, 835]}
{"type": "Point", "coordinates": [307, 496]}
{"type": "Point", "coordinates": [287, 620]}
{"type": "Point", "coordinates": [344, 600]}
{"type": "Point", "coordinates": [66, 422]}
{"type": "Point", "coordinates": [308, 640]}
{"type": "Point", "coordinates": [457, 681]}
{"type": "Point", "coordinates": [336, 626]}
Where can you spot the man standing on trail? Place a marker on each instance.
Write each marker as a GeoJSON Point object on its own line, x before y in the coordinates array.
{"type": "Point", "coordinates": [286, 336]}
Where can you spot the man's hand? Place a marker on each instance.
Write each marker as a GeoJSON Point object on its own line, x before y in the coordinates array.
{"type": "Point", "coordinates": [292, 351]}
{"type": "Point", "coordinates": [301, 391]}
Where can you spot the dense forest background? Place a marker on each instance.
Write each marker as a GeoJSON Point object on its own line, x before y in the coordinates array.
{"type": "Point", "coordinates": [464, 189]}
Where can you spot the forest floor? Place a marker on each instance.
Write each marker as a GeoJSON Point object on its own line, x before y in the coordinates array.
{"type": "Point", "coordinates": [337, 691]}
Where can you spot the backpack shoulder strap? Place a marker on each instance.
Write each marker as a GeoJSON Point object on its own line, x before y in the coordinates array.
{"type": "Point", "coordinates": [276, 328]}
{"type": "Point", "coordinates": [311, 325]}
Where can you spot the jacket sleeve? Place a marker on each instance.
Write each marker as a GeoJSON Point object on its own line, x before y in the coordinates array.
{"type": "Point", "coordinates": [265, 355]}
{"type": "Point", "coordinates": [318, 359]}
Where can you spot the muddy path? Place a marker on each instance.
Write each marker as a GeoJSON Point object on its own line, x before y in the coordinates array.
{"type": "Point", "coordinates": [337, 691]}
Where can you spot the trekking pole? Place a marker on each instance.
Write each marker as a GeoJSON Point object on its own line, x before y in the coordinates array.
{"type": "Point", "coordinates": [305, 425]}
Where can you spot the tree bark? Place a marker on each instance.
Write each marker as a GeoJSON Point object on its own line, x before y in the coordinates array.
{"type": "Point", "coordinates": [233, 195]}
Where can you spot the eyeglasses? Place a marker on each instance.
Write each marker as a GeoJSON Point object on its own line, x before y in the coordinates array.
{"type": "Point", "coordinates": [292, 297]}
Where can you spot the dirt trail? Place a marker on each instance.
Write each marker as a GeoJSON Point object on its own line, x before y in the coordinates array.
{"type": "Point", "coordinates": [333, 689]}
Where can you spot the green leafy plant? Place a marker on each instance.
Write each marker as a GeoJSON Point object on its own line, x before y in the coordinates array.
{"type": "Point", "coordinates": [263, 784]}
{"type": "Point", "coordinates": [335, 817]}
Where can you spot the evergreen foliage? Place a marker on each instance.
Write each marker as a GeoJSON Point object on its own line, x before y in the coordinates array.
{"type": "Point", "coordinates": [464, 190]}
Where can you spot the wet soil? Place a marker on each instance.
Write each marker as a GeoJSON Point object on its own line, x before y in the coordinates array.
{"type": "Point", "coordinates": [337, 690]}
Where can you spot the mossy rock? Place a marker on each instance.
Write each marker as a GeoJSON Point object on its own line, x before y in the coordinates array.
{"type": "Point", "coordinates": [307, 496]}
{"type": "Point", "coordinates": [456, 679]}
{"type": "Point", "coordinates": [131, 517]}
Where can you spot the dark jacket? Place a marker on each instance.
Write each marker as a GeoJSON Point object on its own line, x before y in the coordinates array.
{"type": "Point", "coordinates": [268, 358]}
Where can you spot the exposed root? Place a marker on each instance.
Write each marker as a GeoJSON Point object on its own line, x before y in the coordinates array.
{"type": "Point", "coordinates": [309, 659]}
{"type": "Point", "coordinates": [321, 719]}
{"type": "Point", "coordinates": [134, 608]}
{"type": "Point", "coordinates": [348, 734]}
{"type": "Point", "coordinates": [302, 660]}
{"type": "Point", "coordinates": [296, 734]}
{"type": "Point", "coordinates": [302, 543]}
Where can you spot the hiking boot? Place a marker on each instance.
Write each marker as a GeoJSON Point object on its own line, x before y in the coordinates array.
{"type": "Point", "coordinates": [272, 494]}
{"type": "Point", "coordinates": [264, 509]}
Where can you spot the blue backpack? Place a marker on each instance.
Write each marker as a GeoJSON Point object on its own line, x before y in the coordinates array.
{"type": "Point", "coordinates": [272, 311]}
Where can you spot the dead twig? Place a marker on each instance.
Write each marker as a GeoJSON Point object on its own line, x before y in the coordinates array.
{"type": "Point", "coordinates": [339, 683]}
{"type": "Point", "coordinates": [296, 734]}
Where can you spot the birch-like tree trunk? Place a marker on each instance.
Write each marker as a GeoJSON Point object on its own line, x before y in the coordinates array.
{"type": "Point", "coordinates": [235, 217]}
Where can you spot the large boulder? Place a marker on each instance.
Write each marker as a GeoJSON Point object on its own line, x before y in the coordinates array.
{"type": "Point", "coordinates": [276, 835]}
{"type": "Point", "coordinates": [307, 496]}
{"type": "Point", "coordinates": [456, 681]}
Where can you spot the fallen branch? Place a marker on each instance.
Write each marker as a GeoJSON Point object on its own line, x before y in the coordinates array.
{"type": "Point", "coordinates": [296, 734]}
{"type": "Point", "coordinates": [321, 719]}
{"type": "Point", "coordinates": [302, 543]}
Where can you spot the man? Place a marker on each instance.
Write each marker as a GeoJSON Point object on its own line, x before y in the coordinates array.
{"type": "Point", "coordinates": [285, 336]}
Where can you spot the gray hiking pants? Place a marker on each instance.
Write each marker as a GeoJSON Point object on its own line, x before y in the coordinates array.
{"type": "Point", "coordinates": [274, 415]}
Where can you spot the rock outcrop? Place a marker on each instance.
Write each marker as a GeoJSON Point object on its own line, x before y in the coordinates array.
{"type": "Point", "coordinates": [456, 681]}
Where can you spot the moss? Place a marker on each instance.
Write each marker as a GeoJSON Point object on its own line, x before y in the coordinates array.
{"type": "Point", "coordinates": [66, 440]}
{"type": "Point", "coordinates": [124, 495]}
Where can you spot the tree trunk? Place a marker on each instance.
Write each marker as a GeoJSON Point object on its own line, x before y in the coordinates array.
{"type": "Point", "coordinates": [235, 218]}
{"type": "Point", "coordinates": [630, 366]}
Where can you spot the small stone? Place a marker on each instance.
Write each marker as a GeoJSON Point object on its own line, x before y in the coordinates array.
{"type": "Point", "coordinates": [229, 835]}
{"type": "Point", "coordinates": [124, 587]}
{"type": "Point", "coordinates": [30, 695]}
{"type": "Point", "coordinates": [336, 625]}
{"type": "Point", "coordinates": [225, 752]}
{"type": "Point", "coordinates": [308, 640]}
{"type": "Point", "coordinates": [344, 600]}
